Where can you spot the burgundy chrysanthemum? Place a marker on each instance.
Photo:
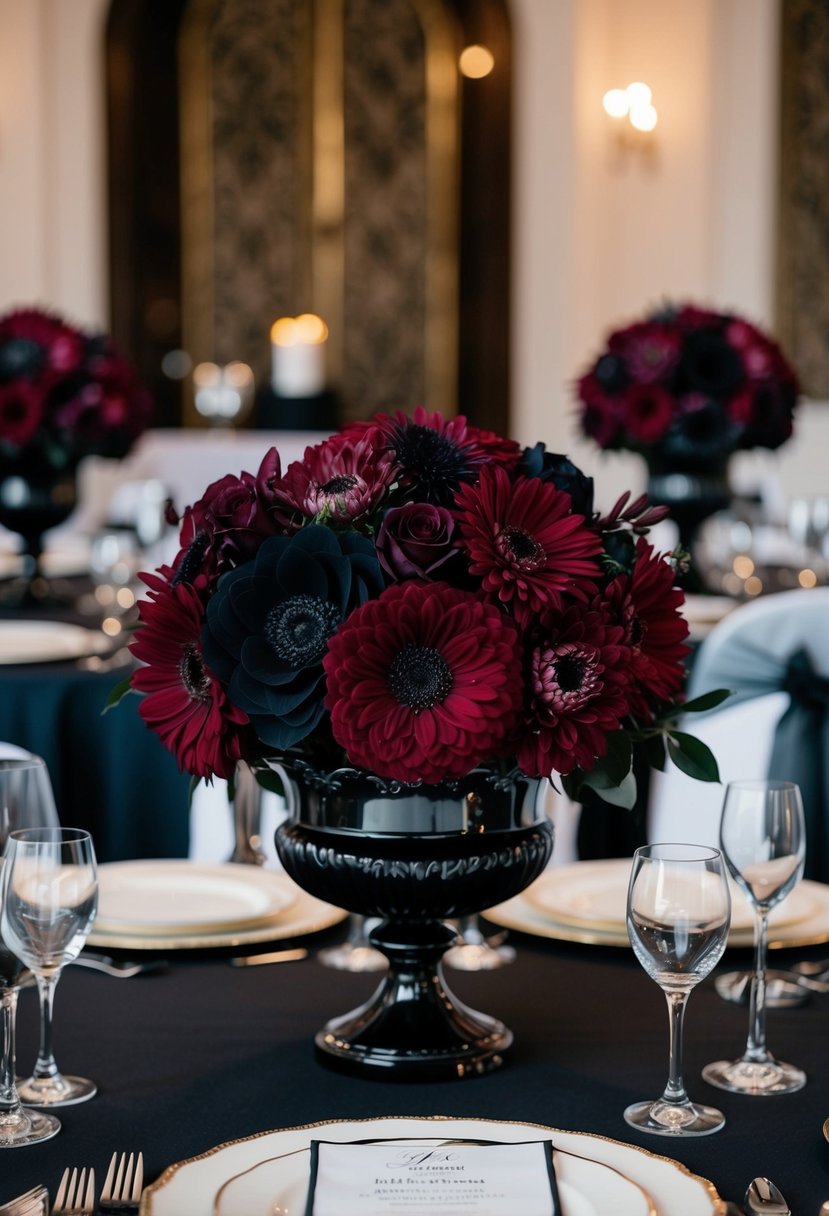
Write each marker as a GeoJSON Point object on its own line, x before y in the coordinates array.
{"type": "Point", "coordinates": [340, 481]}
{"type": "Point", "coordinates": [647, 604]}
{"type": "Point", "coordinates": [435, 455]}
{"type": "Point", "coordinates": [185, 703]}
{"type": "Point", "coordinates": [21, 412]}
{"type": "Point", "coordinates": [33, 342]}
{"type": "Point", "coordinates": [424, 683]}
{"type": "Point", "coordinates": [524, 543]}
{"type": "Point", "coordinates": [579, 673]}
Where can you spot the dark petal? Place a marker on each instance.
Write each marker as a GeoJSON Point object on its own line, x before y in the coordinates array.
{"type": "Point", "coordinates": [282, 735]}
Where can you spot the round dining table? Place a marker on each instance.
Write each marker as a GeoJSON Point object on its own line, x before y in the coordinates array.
{"type": "Point", "coordinates": [202, 1052]}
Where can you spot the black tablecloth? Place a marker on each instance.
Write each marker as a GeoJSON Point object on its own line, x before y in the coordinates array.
{"type": "Point", "coordinates": [205, 1053]}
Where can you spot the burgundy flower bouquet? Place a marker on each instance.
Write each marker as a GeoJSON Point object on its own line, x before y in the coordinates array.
{"type": "Point", "coordinates": [688, 386]}
{"type": "Point", "coordinates": [64, 394]}
{"type": "Point", "coordinates": [416, 597]}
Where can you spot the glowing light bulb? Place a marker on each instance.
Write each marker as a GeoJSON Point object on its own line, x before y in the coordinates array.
{"type": "Point", "coordinates": [615, 102]}
{"type": "Point", "coordinates": [638, 94]}
{"type": "Point", "coordinates": [643, 118]}
{"type": "Point", "coordinates": [475, 62]}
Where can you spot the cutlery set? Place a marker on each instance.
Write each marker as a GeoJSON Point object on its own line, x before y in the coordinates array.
{"type": "Point", "coordinates": [76, 1193]}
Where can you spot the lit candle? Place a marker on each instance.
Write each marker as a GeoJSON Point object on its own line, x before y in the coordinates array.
{"type": "Point", "coordinates": [298, 356]}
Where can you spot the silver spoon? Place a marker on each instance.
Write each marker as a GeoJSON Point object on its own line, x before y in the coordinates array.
{"type": "Point", "coordinates": [121, 970]}
{"type": "Point", "coordinates": [764, 1199]}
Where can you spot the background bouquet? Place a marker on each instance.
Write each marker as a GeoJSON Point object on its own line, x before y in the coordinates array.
{"type": "Point", "coordinates": [416, 597]}
{"type": "Point", "coordinates": [64, 394]}
{"type": "Point", "coordinates": [688, 385]}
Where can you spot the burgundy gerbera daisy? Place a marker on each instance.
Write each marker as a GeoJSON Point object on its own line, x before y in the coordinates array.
{"type": "Point", "coordinates": [650, 350]}
{"type": "Point", "coordinates": [424, 682]}
{"type": "Point", "coordinates": [647, 605]}
{"type": "Point", "coordinates": [340, 481]}
{"type": "Point", "coordinates": [579, 673]}
{"type": "Point", "coordinates": [186, 705]}
{"type": "Point", "coordinates": [524, 543]}
{"type": "Point", "coordinates": [648, 411]}
{"type": "Point", "coordinates": [435, 455]}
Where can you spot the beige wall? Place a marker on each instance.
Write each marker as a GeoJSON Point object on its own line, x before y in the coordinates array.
{"type": "Point", "coordinates": [597, 239]}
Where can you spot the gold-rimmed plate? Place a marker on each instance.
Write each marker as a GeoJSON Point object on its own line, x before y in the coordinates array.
{"type": "Point", "coordinates": [199, 1185]}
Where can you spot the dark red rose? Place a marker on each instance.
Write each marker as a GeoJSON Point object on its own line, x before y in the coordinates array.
{"type": "Point", "coordinates": [21, 412]}
{"type": "Point", "coordinates": [647, 411]}
{"type": "Point", "coordinates": [415, 540]}
{"type": "Point", "coordinates": [228, 517]}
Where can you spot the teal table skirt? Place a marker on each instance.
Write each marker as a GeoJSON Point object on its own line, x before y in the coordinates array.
{"type": "Point", "coordinates": [110, 773]}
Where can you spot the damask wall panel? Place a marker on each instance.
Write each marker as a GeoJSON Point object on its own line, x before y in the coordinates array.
{"type": "Point", "coordinates": [260, 74]}
{"type": "Point", "coordinates": [384, 92]}
{"type": "Point", "coordinates": [803, 232]}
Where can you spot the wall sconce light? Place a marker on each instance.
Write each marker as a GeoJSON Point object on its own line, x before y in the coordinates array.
{"type": "Point", "coordinates": [476, 61]}
{"type": "Point", "coordinates": [634, 114]}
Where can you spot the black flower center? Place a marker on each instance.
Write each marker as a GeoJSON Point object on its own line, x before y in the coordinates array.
{"type": "Point", "coordinates": [340, 484]}
{"type": "Point", "coordinates": [420, 677]}
{"type": "Point", "coordinates": [520, 547]}
{"type": "Point", "coordinates": [193, 675]}
{"type": "Point", "coordinates": [569, 670]}
{"type": "Point", "coordinates": [438, 463]}
{"type": "Point", "coordinates": [193, 559]}
{"type": "Point", "coordinates": [299, 628]}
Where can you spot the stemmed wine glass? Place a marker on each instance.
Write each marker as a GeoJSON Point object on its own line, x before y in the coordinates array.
{"type": "Point", "coordinates": [50, 897]}
{"type": "Point", "coordinates": [763, 839]}
{"type": "Point", "coordinates": [25, 800]}
{"type": "Point", "coordinates": [678, 913]}
{"type": "Point", "coordinates": [356, 953]}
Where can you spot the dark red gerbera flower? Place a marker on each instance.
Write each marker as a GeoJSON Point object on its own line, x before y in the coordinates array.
{"type": "Point", "coordinates": [340, 481]}
{"type": "Point", "coordinates": [650, 350]}
{"type": "Point", "coordinates": [185, 703]}
{"type": "Point", "coordinates": [648, 411]}
{"type": "Point", "coordinates": [424, 683]}
{"type": "Point", "coordinates": [647, 604]}
{"type": "Point", "coordinates": [21, 412]}
{"type": "Point", "coordinates": [601, 417]}
{"type": "Point", "coordinates": [579, 674]}
{"type": "Point", "coordinates": [435, 455]}
{"type": "Point", "coordinates": [524, 543]}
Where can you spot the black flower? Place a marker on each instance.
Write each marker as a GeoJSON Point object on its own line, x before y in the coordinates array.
{"type": "Point", "coordinates": [709, 364]}
{"type": "Point", "coordinates": [564, 475]}
{"type": "Point", "coordinates": [269, 623]}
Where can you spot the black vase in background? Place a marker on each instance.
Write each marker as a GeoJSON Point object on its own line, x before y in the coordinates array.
{"type": "Point", "coordinates": [692, 491]}
{"type": "Point", "coordinates": [414, 856]}
{"type": "Point", "coordinates": [34, 499]}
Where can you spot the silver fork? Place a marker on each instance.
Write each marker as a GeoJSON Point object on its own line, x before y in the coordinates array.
{"type": "Point", "coordinates": [76, 1194]}
{"type": "Point", "coordinates": [124, 1183]}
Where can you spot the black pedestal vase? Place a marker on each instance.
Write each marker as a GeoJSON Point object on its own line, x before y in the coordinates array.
{"type": "Point", "coordinates": [414, 856]}
{"type": "Point", "coordinates": [33, 499]}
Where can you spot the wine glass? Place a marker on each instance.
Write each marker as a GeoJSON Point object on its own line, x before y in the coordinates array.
{"type": "Point", "coordinates": [762, 836]}
{"type": "Point", "coordinates": [50, 897]}
{"type": "Point", "coordinates": [474, 952]}
{"type": "Point", "coordinates": [25, 800]}
{"type": "Point", "coordinates": [356, 953]}
{"type": "Point", "coordinates": [678, 913]}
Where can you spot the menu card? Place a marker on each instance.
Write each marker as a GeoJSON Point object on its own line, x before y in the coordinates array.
{"type": "Point", "coordinates": [386, 1179]}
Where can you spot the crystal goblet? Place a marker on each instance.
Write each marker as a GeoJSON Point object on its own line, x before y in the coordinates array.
{"type": "Point", "coordinates": [678, 913]}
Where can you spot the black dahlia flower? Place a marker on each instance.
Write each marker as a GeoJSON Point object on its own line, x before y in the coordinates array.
{"type": "Point", "coordinates": [269, 622]}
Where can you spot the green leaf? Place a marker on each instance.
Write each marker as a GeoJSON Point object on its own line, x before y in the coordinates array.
{"type": "Point", "coordinates": [654, 749]}
{"type": "Point", "coordinates": [117, 694]}
{"type": "Point", "coordinates": [692, 756]}
{"type": "Point", "coordinates": [618, 758]}
{"type": "Point", "coordinates": [269, 780]}
{"type": "Point", "coordinates": [708, 700]}
{"type": "Point", "coordinates": [622, 794]}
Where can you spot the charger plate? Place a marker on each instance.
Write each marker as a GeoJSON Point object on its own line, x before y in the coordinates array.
{"type": "Point", "coordinates": [267, 1174]}
{"type": "Point", "coordinates": [184, 905]}
{"type": "Point", "coordinates": [49, 642]}
{"type": "Point", "coordinates": [585, 903]}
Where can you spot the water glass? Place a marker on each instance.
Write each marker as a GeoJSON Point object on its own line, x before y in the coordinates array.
{"type": "Point", "coordinates": [678, 913]}
{"type": "Point", "coordinates": [763, 839]}
{"type": "Point", "coordinates": [26, 799]}
{"type": "Point", "coordinates": [50, 897]}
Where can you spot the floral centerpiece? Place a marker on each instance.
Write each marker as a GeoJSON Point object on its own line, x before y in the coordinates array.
{"type": "Point", "coordinates": [416, 597]}
{"type": "Point", "coordinates": [688, 386]}
{"type": "Point", "coordinates": [64, 393]}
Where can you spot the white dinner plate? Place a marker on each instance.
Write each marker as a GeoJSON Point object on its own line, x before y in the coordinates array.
{"type": "Point", "coordinates": [70, 560]}
{"type": "Point", "coordinates": [251, 906]}
{"type": "Point", "coordinates": [49, 642]}
{"type": "Point", "coordinates": [527, 913]}
{"type": "Point", "coordinates": [596, 1174]}
{"type": "Point", "coordinates": [186, 897]}
{"type": "Point", "coordinates": [594, 894]}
